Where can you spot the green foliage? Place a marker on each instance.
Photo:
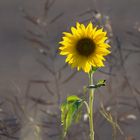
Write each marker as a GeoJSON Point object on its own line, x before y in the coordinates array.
{"type": "Point", "coordinates": [70, 112]}
{"type": "Point", "coordinates": [100, 83]}
{"type": "Point", "coordinates": [73, 98]}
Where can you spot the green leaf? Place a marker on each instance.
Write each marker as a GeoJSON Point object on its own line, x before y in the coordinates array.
{"type": "Point", "coordinates": [99, 84]}
{"type": "Point", "coordinates": [78, 115]}
{"type": "Point", "coordinates": [73, 98]}
{"type": "Point", "coordinates": [63, 112]}
{"type": "Point", "coordinates": [70, 111]}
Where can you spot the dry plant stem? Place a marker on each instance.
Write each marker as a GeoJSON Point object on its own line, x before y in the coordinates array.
{"type": "Point", "coordinates": [114, 133]}
{"type": "Point", "coordinates": [91, 100]}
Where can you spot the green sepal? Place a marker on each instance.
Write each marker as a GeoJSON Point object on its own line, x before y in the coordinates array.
{"type": "Point", "coordinates": [93, 70]}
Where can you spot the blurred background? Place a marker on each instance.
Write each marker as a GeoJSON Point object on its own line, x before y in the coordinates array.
{"type": "Point", "coordinates": [34, 79]}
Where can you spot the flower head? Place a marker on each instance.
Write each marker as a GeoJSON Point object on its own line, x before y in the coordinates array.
{"type": "Point", "coordinates": [85, 47]}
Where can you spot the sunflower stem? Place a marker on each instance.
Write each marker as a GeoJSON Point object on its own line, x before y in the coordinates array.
{"type": "Point", "coordinates": [91, 101]}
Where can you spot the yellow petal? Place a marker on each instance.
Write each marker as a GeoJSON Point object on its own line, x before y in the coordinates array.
{"type": "Point", "coordinates": [73, 30]}
{"type": "Point", "coordinates": [78, 25]}
{"type": "Point", "coordinates": [83, 27]}
{"type": "Point", "coordinates": [102, 51]}
{"type": "Point", "coordinates": [68, 58]}
{"type": "Point", "coordinates": [80, 61]}
{"type": "Point", "coordinates": [86, 67]}
{"type": "Point", "coordinates": [99, 36]}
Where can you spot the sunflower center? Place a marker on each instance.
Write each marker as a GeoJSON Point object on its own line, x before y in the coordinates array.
{"type": "Point", "coordinates": [85, 46]}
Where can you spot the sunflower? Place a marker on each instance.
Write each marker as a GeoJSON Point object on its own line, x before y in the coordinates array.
{"type": "Point", "coordinates": [85, 47]}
